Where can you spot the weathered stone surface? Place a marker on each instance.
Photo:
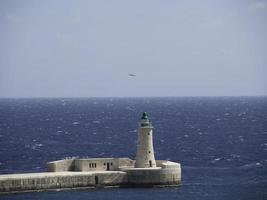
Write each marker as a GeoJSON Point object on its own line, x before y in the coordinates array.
{"type": "Point", "coordinates": [122, 174]}
{"type": "Point", "coordinates": [89, 164]}
{"type": "Point", "coordinates": [59, 180]}
{"type": "Point", "coordinates": [167, 173]}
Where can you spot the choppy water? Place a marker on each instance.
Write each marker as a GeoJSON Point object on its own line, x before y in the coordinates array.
{"type": "Point", "coordinates": [221, 142]}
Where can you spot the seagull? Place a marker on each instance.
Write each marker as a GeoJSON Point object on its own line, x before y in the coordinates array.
{"type": "Point", "coordinates": [131, 74]}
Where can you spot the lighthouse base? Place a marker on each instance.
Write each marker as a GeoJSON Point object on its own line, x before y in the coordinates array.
{"type": "Point", "coordinates": [166, 174]}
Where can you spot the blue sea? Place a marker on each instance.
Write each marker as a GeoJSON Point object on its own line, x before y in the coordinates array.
{"type": "Point", "coordinates": [221, 142]}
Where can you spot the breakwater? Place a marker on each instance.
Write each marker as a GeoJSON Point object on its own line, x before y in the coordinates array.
{"type": "Point", "coordinates": [92, 173]}
{"type": "Point", "coordinates": [59, 180]}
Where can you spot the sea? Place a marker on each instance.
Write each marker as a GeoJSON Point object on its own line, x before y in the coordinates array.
{"type": "Point", "coordinates": [221, 142]}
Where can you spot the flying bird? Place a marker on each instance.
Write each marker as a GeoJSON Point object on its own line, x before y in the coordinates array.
{"type": "Point", "coordinates": [132, 75]}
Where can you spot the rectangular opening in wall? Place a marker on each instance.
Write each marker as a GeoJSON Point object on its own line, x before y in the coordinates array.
{"type": "Point", "coordinates": [96, 180]}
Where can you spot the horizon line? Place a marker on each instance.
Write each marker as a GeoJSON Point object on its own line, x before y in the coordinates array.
{"type": "Point", "coordinates": [121, 97]}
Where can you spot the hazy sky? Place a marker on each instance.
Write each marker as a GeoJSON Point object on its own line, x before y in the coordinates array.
{"type": "Point", "coordinates": [83, 48]}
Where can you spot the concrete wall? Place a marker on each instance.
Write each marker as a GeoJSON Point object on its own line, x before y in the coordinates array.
{"type": "Point", "coordinates": [97, 164]}
{"type": "Point", "coordinates": [61, 165]}
{"type": "Point", "coordinates": [169, 173]}
{"type": "Point", "coordinates": [89, 164]}
{"type": "Point", "coordinates": [59, 180]}
{"type": "Point", "coordinates": [126, 162]}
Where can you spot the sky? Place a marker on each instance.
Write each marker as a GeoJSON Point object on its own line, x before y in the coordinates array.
{"type": "Point", "coordinates": [86, 48]}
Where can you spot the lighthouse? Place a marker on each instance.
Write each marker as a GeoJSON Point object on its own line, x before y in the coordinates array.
{"type": "Point", "coordinates": [88, 172]}
{"type": "Point", "coordinates": [145, 152]}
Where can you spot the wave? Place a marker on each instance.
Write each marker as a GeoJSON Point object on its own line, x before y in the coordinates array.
{"type": "Point", "coordinates": [205, 168]}
{"type": "Point", "coordinates": [251, 165]}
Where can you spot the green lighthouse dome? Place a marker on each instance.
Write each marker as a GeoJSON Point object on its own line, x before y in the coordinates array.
{"type": "Point", "coordinates": [144, 116]}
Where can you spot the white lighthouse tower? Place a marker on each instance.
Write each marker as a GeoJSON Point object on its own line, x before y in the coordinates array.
{"type": "Point", "coordinates": [145, 152]}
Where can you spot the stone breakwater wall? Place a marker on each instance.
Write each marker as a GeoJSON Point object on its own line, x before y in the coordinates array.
{"type": "Point", "coordinates": [167, 173]}
{"type": "Point", "coordinates": [92, 173]}
{"type": "Point", "coordinates": [59, 180]}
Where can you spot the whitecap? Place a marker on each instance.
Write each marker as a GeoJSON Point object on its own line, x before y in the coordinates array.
{"type": "Point", "coordinates": [258, 163]}
{"type": "Point", "coordinates": [59, 132]}
{"type": "Point", "coordinates": [241, 138]}
{"type": "Point", "coordinates": [129, 108]}
{"type": "Point", "coordinates": [241, 113]}
{"type": "Point", "coordinates": [235, 156]}
{"type": "Point", "coordinates": [96, 122]}
{"type": "Point", "coordinates": [63, 102]}
{"type": "Point", "coordinates": [75, 123]}
{"type": "Point", "coordinates": [98, 143]}
{"type": "Point", "coordinates": [191, 126]}
{"type": "Point", "coordinates": [250, 165]}
{"type": "Point", "coordinates": [216, 160]}
{"type": "Point", "coordinates": [36, 146]}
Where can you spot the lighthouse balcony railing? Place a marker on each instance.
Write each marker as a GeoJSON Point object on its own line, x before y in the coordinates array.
{"type": "Point", "coordinates": [145, 124]}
